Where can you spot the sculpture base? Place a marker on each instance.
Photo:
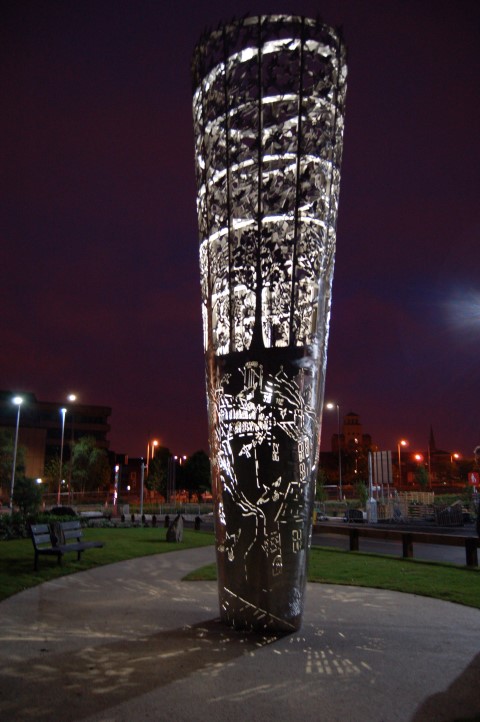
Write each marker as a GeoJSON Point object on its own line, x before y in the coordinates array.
{"type": "Point", "coordinates": [265, 443]}
{"type": "Point", "coordinates": [252, 607]}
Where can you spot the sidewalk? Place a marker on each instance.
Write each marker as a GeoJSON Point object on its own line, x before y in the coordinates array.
{"type": "Point", "coordinates": [132, 642]}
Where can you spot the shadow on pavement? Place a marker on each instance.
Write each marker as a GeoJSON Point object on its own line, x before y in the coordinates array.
{"type": "Point", "coordinates": [459, 703]}
{"type": "Point", "coordinates": [73, 685]}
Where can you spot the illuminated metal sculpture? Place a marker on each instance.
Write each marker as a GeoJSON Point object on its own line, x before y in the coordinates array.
{"type": "Point", "coordinates": [268, 106]}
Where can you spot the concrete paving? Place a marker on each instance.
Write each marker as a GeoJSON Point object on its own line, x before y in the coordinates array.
{"type": "Point", "coordinates": [131, 641]}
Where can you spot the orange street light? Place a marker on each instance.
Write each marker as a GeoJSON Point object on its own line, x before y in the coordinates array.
{"type": "Point", "coordinates": [401, 443]}
{"type": "Point", "coordinates": [150, 448]}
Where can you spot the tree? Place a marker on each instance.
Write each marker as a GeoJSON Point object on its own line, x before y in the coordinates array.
{"type": "Point", "coordinates": [464, 466]}
{"type": "Point", "coordinates": [158, 471]}
{"type": "Point", "coordinates": [362, 493]}
{"type": "Point", "coordinates": [421, 476]}
{"type": "Point", "coordinates": [6, 459]}
{"type": "Point", "coordinates": [258, 264]}
{"type": "Point", "coordinates": [52, 473]}
{"type": "Point", "coordinates": [27, 495]}
{"type": "Point", "coordinates": [196, 473]}
{"type": "Point", "coordinates": [322, 480]}
{"type": "Point", "coordinates": [90, 467]}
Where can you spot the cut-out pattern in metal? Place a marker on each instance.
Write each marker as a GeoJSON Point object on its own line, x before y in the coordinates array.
{"type": "Point", "coordinates": [268, 104]}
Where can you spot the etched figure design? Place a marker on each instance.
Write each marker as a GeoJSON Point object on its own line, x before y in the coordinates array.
{"type": "Point", "coordinates": [252, 427]}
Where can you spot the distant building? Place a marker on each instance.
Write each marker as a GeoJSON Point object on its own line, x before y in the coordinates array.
{"type": "Point", "coordinates": [438, 456]}
{"type": "Point", "coordinates": [444, 468]}
{"type": "Point", "coordinates": [130, 473]}
{"type": "Point", "coordinates": [446, 471]}
{"type": "Point", "coordinates": [351, 436]}
{"type": "Point", "coordinates": [354, 446]}
{"type": "Point", "coordinates": [40, 430]}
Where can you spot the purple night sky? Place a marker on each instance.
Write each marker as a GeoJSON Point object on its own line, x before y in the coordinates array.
{"type": "Point", "coordinates": [99, 245]}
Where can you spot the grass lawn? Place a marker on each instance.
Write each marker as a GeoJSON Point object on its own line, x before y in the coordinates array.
{"type": "Point", "coordinates": [334, 566]}
{"type": "Point", "coordinates": [443, 581]}
{"type": "Point", "coordinates": [16, 556]}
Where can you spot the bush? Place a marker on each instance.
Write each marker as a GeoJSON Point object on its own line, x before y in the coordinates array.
{"type": "Point", "coordinates": [17, 526]}
{"type": "Point", "coordinates": [27, 495]}
{"type": "Point", "coordinates": [13, 526]}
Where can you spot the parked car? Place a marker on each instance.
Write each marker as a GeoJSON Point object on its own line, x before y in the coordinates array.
{"type": "Point", "coordinates": [354, 515]}
{"type": "Point", "coordinates": [63, 511]}
{"type": "Point", "coordinates": [319, 513]}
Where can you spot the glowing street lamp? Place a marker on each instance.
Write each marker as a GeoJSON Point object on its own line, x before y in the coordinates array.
{"type": "Point", "coordinates": [150, 446]}
{"type": "Point", "coordinates": [71, 398]}
{"type": "Point", "coordinates": [171, 478]}
{"type": "Point", "coordinates": [401, 443]}
{"type": "Point", "coordinates": [115, 490]}
{"type": "Point", "coordinates": [18, 401]}
{"type": "Point", "coordinates": [63, 412]}
{"type": "Point", "coordinates": [331, 405]}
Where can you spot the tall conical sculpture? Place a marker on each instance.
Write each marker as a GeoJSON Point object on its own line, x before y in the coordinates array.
{"type": "Point", "coordinates": [268, 104]}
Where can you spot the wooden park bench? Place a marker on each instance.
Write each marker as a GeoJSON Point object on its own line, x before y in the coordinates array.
{"type": "Point", "coordinates": [59, 538]}
{"type": "Point", "coordinates": [407, 537]}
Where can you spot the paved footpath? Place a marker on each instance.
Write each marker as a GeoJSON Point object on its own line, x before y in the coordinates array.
{"type": "Point", "coordinates": [132, 642]}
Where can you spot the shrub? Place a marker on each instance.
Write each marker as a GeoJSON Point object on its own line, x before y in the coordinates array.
{"type": "Point", "coordinates": [13, 526]}
{"type": "Point", "coordinates": [27, 496]}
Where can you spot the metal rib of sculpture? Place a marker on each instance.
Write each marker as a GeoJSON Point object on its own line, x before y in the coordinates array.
{"type": "Point", "coordinates": [268, 105]}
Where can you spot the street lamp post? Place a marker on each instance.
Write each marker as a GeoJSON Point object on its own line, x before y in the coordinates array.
{"type": "Point", "coordinates": [142, 484]}
{"type": "Point", "coordinates": [17, 400]}
{"type": "Point", "coordinates": [171, 481]}
{"type": "Point", "coordinates": [340, 490]}
{"type": "Point", "coordinates": [115, 490]}
{"type": "Point", "coordinates": [72, 398]}
{"type": "Point", "coordinates": [154, 443]}
{"type": "Point", "coordinates": [63, 412]}
{"type": "Point", "coordinates": [402, 442]}
{"type": "Point", "coordinates": [429, 468]}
